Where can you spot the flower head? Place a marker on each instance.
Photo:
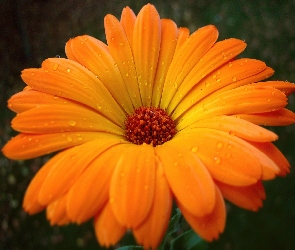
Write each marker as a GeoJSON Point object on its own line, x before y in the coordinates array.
{"type": "Point", "coordinates": [155, 115]}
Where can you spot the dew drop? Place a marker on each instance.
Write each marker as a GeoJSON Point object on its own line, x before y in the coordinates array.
{"type": "Point", "coordinates": [69, 139]}
{"type": "Point", "coordinates": [231, 132]}
{"type": "Point", "coordinates": [230, 64]}
{"type": "Point", "coordinates": [217, 160]}
{"type": "Point", "coordinates": [98, 106]}
{"type": "Point", "coordinates": [72, 123]}
{"type": "Point", "coordinates": [55, 66]}
{"type": "Point", "coordinates": [219, 145]}
{"type": "Point", "coordinates": [207, 84]}
{"type": "Point", "coordinates": [80, 138]}
{"type": "Point", "coordinates": [175, 164]}
{"type": "Point", "coordinates": [195, 149]}
{"type": "Point", "coordinates": [68, 70]}
{"type": "Point", "coordinates": [234, 79]}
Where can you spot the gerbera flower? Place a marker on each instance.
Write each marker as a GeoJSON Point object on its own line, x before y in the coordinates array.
{"type": "Point", "coordinates": [157, 115]}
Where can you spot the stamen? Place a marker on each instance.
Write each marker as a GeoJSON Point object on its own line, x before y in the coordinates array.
{"type": "Point", "coordinates": [149, 125]}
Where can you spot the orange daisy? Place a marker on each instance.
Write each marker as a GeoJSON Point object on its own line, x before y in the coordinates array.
{"type": "Point", "coordinates": [157, 115]}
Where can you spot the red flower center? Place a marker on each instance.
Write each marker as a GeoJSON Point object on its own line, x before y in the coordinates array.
{"type": "Point", "coordinates": [149, 125]}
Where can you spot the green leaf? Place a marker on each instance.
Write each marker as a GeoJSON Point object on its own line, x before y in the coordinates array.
{"type": "Point", "coordinates": [130, 248]}
{"type": "Point", "coordinates": [172, 228]}
{"type": "Point", "coordinates": [189, 240]}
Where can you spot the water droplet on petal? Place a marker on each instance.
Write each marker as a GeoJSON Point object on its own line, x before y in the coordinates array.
{"type": "Point", "coordinates": [234, 79]}
{"type": "Point", "coordinates": [69, 139]}
{"type": "Point", "coordinates": [72, 123]}
{"type": "Point", "coordinates": [219, 145]}
{"type": "Point", "coordinates": [195, 149]}
{"type": "Point", "coordinates": [217, 160]}
{"type": "Point", "coordinates": [175, 164]}
{"type": "Point", "coordinates": [231, 132]}
{"type": "Point", "coordinates": [55, 66]}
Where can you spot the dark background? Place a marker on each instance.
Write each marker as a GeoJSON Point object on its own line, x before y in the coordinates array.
{"type": "Point", "coordinates": [32, 30]}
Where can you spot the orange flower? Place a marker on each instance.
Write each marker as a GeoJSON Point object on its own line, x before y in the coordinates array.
{"type": "Point", "coordinates": [155, 115]}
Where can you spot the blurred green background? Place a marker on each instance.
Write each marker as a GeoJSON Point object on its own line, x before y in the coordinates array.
{"type": "Point", "coordinates": [33, 30]}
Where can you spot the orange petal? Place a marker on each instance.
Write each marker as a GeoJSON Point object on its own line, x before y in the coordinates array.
{"type": "Point", "coordinates": [185, 59]}
{"type": "Point", "coordinates": [28, 99]}
{"type": "Point", "coordinates": [68, 166]}
{"type": "Point", "coordinates": [146, 49]}
{"type": "Point", "coordinates": [209, 226]}
{"type": "Point", "coordinates": [183, 34]}
{"type": "Point", "coordinates": [188, 178]}
{"type": "Point", "coordinates": [31, 202]}
{"type": "Point", "coordinates": [95, 56]}
{"type": "Point", "coordinates": [263, 73]}
{"type": "Point", "coordinates": [280, 117]}
{"type": "Point", "coordinates": [150, 233]}
{"type": "Point", "coordinates": [229, 159]}
{"type": "Point", "coordinates": [108, 230]}
{"type": "Point", "coordinates": [66, 78]}
{"type": "Point", "coordinates": [128, 19]}
{"type": "Point", "coordinates": [56, 212]}
{"type": "Point", "coordinates": [34, 145]}
{"type": "Point", "coordinates": [220, 80]}
{"type": "Point", "coordinates": [168, 44]}
{"type": "Point", "coordinates": [237, 127]}
{"type": "Point", "coordinates": [133, 185]}
{"type": "Point", "coordinates": [275, 155]}
{"type": "Point", "coordinates": [120, 50]}
{"type": "Point", "coordinates": [247, 197]}
{"type": "Point", "coordinates": [69, 52]}
{"type": "Point", "coordinates": [286, 87]}
{"type": "Point", "coordinates": [90, 191]}
{"type": "Point", "coordinates": [244, 99]}
{"type": "Point", "coordinates": [219, 54]}
{"type": "Point", "coordinates": [63, 118]}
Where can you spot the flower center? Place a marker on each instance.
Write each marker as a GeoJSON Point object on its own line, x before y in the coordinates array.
{"type": "Point", "coordinates": [149, 125]}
